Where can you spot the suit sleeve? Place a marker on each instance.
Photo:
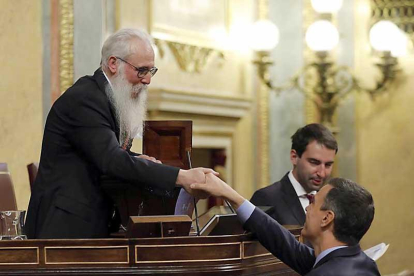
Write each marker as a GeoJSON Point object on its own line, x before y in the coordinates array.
{"type": "Point", "coordinates": [90, 132]}
{"type": "Point", "coordinates": [280, 242]}
{"type": "Point", "coordinates": [133, 153]}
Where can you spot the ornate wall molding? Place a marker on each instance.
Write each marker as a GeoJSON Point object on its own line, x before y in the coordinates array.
{"type": "Point", "coordinates": [66, 44]}
{"type": "Point", "coordinates": [190, 58]}
{"type": "Point", "coordinates": [401, 12]}
{"type": "Point", "coordinates": [168, 100]}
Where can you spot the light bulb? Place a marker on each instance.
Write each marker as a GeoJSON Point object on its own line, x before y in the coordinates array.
{"type": "Point", "coordinates": [322, 35]}
{"type": "Point", "coordinates": [264, 35]}
{"type": "Point", "coordinates": [326, 6]}
{"type": "Point", "coordinates": [386, 36]}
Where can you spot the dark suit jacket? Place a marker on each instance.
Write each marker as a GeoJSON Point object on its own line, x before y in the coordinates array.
{"type": "Point", "coordinates": [348, 261]}
{"type": "Point", "coordinates": [281, 195]}
{"type": "Point", "coordinates": [80, 144]}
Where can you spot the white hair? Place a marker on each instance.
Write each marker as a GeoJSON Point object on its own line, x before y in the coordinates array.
{"type": "Point", "coordinates": [120, 44]}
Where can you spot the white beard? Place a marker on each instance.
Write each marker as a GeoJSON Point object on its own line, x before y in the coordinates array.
{"type": "Point", "coordinates": [130, 103]}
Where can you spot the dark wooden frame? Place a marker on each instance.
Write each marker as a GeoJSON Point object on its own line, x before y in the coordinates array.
{"type": "Point", "coordinates": [168, 141]}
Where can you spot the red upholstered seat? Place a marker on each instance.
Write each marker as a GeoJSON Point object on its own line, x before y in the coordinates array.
{"type": "Point", "coordinates": [32, 170]}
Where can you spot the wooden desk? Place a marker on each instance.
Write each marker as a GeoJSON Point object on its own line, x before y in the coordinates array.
{"type": "Point", "coordinates": [219, 255]}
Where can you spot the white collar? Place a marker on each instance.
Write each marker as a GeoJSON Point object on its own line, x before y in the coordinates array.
{"type": "Point", "coordinates": [300, 191]}
{"type": "Point", "coordinates": [107, 78]}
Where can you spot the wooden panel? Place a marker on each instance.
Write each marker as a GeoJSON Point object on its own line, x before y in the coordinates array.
{"type": "Point", "coordinates": [252, 249]}
{"type": "Point", "coordinates": [187, 253]}
{"type": "Point", "coordinates": [87, 255]}
{"type": "Point", "coordinates": [189, 256]}
{"type": "Point", "coordinates": [19, 255]}
{"type": "Point", "coordinates": [168, 141]}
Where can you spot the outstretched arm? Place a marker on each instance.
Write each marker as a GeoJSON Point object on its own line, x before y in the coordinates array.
{"type": "Point", "coordinates": [279, 241]}
{"type": "Point", "coordinates": [216, 187]}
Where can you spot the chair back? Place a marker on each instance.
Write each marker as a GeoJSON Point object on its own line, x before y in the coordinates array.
{"type": "Point", "coordinates": [32, 170]}
{"type": "Point", "coordinates": [7, 195]}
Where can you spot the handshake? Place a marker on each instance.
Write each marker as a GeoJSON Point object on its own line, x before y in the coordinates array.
{"type": "Point", "coordinates": [186, 178]}
{"type": "Point", "coordinates": [194, 181]}
{"type": "Point", "coordinates": [202, 182]}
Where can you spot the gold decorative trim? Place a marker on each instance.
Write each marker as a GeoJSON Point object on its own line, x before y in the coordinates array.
{"type": "Point", "coordinates": [186, 245]}
{"type": "Point", "coordinates": [257, 256]}
{"type": "Point", "coordinates": [66, 44]}
{"type": "Point", "coordinates": [22, 248]}
{"type": "Point", "coordinates": [263, 135]}
{"type": "Point", "coordinates": [190, 58]}
{"type": "Point", "coordinates": [263, 9]}
{"type": "Point", "coordinates": [400, 12]}
{"type": "Point", "coordinates": [263, 118]}
{"type": "Point", "coordinates": [160, 48]}
{"type": "Point", "coordinates": [242, 250]}
{"type": "Point", "coordinates": [85, 247]}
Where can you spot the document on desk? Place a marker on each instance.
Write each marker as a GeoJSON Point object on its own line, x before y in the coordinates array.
{"type": "Point", "coordinates": [185, 204]}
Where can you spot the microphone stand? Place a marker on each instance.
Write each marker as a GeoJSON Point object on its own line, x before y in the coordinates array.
{"type": "Point", "coordinates": [194, 200]}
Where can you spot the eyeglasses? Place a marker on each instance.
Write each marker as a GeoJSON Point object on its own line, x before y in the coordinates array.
{"type": "Point", "coordinates": [141, 71]}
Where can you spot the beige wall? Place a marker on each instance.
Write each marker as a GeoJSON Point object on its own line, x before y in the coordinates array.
{"type": "Point", "coordinates": [385, 132]}
{"type": "Point", "coordinates": [20, 90]}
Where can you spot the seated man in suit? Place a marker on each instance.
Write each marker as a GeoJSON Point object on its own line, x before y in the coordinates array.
{"type": "Point", "coordinates": [88, 134]}
{"type": "Point", "coordinates": [336, 220]}
{"type": "Point", "coordinates": [312, 156]}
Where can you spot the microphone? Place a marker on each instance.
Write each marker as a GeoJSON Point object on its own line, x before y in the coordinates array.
{"type": "Point", "coordinates": [231, 208]}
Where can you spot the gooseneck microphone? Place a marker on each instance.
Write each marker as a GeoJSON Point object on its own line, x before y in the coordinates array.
{"type": "Point", "coordinates": [194, 199]}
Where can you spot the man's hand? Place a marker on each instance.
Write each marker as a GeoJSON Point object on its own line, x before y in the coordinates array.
{"type": "Point", "coordinates": [216, 187]}
{"type": "Point", "coordinates": [197, 175]}
{"type": "Point", "coordinates": [146, 157]}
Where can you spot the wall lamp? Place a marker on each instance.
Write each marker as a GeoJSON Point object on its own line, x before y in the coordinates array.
{"type": "Point", "coordinates": [323, 81]}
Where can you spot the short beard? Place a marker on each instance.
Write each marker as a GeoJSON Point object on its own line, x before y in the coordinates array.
{"type": "Point", "coordinates": [130, 103]}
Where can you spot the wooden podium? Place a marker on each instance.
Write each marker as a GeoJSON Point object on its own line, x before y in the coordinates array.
{"type": "Point", "coordinates": [168, 141]}
{"type": "Point", "coordinates": [191, 256]}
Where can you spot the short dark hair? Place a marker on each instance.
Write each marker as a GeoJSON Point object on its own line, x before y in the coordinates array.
{"type": "Point", "coordinates": [353, 207]}
{"type": "Point", "coordinates": [313, 132]}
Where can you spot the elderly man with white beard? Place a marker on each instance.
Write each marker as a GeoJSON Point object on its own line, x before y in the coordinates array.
{"type": "Point", "coordinates": [88, 134]}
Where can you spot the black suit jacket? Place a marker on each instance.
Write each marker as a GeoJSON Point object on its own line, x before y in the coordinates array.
{"type": "Point", "coordinates": [282, 196]}
{"type": "Point", "coordinates": [348, 261]}
{"type": "Point", "coordinates": [80, 144]}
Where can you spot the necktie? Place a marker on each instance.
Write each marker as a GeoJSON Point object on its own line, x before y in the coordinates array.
{"type": "Point", "coordinates": [310, 197]}
{"type": "Point", "coordinates": [126, 145]}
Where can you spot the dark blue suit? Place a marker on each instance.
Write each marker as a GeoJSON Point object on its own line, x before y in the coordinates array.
{"type": "Point", "coordinates": [349, 261]}
{"type": "Point", "coordinates": [282, 196]}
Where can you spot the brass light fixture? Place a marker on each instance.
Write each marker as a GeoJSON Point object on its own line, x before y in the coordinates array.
{"type": "Point", "coordinates": [326, 83]}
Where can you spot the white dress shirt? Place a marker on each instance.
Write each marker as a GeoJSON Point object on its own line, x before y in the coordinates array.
{"type": "Point", "coordinates": [300, 191]}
